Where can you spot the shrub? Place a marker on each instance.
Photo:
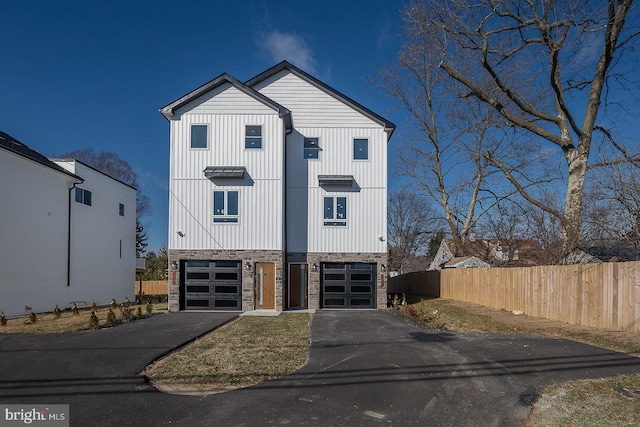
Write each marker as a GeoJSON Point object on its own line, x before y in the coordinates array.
{"type": "Point", "coordinates": [93, 320]}
{"type": "Point", "coordinates": [125, 312]}
{"type": "Point", "coordinates": [3, 319]}
{"type": "Point", "coordinates": [74, 309]}
{"type": "Point", "coordinates": [139, 312]}
{"type": "Point", "coordinates": [111, 317]}
{"type": "Point", "coordinates": [149, 307]}
{"type": "Point", "coordinates": [114, 304]}
{"type": "Point", "coordinates": [94, 307]}
{"type": "Point", "coordinates": [127, 302]}
{"type": "Point", "coordinates": [57, 312]}
{"type": "Point", "coordinates": [409, 310]}
{"type": "Point", "coordinates": [32, 317]}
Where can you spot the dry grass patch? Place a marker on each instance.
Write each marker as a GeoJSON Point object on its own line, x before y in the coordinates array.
{"type": "Point", "coordinates": [47, 323]}
{"type": "Point", "coordinates": [244, 352]}
{"type": "Point", "coordinates": [587, 403]}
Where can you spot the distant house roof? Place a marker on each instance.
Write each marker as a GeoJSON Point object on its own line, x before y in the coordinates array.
{"type": "Point", "coordinates": [466, 262]}
{"type": "Point", "coordinates": [169, 110]}
{"type": "Point", "coordinates": [614, 252]}
{"type": "Point", "coordinates": [496, 253]}
{"type": "Point", "coordinates": [284, 65]}
{"type": "Point", "coordinates": [11, 144]}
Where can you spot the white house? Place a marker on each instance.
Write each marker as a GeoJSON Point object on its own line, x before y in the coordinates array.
{"type": "Point", "coordinates": [68, 233]}
{"type": "Point", "coordinates": [278, 196]}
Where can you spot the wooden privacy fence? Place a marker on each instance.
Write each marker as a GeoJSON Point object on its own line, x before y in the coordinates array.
{"type": "Point", "coordinates": [605, 296]}
{"type": "Point", "coordinates": [152, 287]}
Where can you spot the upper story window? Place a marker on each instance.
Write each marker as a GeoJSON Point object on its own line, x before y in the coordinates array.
{"type": "Point", "coordinates": [253, 136]}
{"type": "Point", "coordinates": [225, 206]}
{"type": "Point", "coordinates": [121, 209]}
{"type": "Point", "coordinates": [335, 211]}
{"type": "Point", "coordinates": [83, 196]}
{"type": "Point", "coordinates": [199, 136]}
{"type": "Point", "coordinates": [360, 149]}
{"type": "Point", "coordinates": [311, 148]}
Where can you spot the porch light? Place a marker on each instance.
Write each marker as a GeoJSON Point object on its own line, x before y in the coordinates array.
{"type": "Point", "coordinates": [174, 265]}
{"type": "Point", "coordinates": [315, 267]}
{"type": "Point", "coordinates": [384, 267]}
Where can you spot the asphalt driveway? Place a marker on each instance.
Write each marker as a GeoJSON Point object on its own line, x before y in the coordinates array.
{"type": "Point", "coordinates": [366, 368]}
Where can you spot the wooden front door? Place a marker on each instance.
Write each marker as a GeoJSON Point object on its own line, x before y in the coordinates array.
{"type": "Point", "coordinates": [298, 279]}
{"type": "Point", "coordinates": [265, 286]}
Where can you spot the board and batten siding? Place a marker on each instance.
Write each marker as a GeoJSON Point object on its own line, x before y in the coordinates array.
{"type": "Point", "coordinates": [311, 106]}
{"type": "Point", "coordinates": [260, 225]}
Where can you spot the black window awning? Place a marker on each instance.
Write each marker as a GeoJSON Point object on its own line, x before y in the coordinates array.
{"type": "Point", "coordinates": [336, 180]}
{"type": "Point", "coordinates": [225, 172]}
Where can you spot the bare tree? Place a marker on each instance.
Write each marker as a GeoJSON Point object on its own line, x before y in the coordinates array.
{"type": "Point", "coordinates": [411, 221]}
{"type": "Point", "coordinates": [545, 67]}
{"type": "Point", "coordinates": [448, 135]}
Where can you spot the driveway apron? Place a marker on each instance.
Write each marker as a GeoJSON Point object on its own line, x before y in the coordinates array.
{"type": "Point", "coordinates": [366, 368]}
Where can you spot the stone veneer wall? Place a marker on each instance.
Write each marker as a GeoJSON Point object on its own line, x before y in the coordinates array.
{"type": "Point", "coordinates": [251, 257]}
{"type": "Point", "coordinates": [314, 276]}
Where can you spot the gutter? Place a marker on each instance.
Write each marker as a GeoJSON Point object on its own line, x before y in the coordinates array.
{"type": "Point", "coordinates": [69, 233]}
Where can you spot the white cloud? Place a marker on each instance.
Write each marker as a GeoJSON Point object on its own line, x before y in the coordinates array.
{"type": "Point", "coordinates": [293, 48]}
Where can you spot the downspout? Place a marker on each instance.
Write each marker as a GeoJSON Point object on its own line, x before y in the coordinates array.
{"type": "Point", "coordinates": [285, 270]}
{"type": "Point", "coordinates": [69, 234]}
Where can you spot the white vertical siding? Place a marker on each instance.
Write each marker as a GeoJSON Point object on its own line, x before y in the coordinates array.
{"type": "Point", "coordinates": [311, 106]}
{"type": "Point", "coordinates": [260, 224]}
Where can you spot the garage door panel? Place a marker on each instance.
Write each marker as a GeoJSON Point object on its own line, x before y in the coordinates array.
{"type": "Point", "coordinates": [348, 285]}
{"type": "Point", "coordinates": [212, 285]}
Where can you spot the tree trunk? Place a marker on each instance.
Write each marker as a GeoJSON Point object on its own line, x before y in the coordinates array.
{"type": "Point", "coordinates": [572, 223]}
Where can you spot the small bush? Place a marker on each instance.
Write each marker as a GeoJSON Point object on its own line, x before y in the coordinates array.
{"type": "Point", "coordinates": [93, 321]}
{"type": "Point", "coordinates": [94, 307]}
{"type": "Point", "coordinates": [3, 319]}
{"type": "Point", "coordinates": [32, 317]}
{"type": "Point", "coordinates": [126, 312]}
{"type": "Point", "coordinates": [139, 312]}
{"type": "Point", "coordinates": [114, 304]}
{"type": "Point", "coordinates": [149, 307]}
{"type": "Point", "coordinates": [57, 312]}
{"type": "Point", "coordinates": [409, 310]}
{"type": "Point", "coordinates": [127, 302]}
{"type": "Point", "coordinates": [75, 310]}
{"type": "Point", "coordinates": [111, 317]}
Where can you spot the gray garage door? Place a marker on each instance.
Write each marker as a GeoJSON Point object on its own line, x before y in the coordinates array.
{"type": "Point", "coordinates": [348, 285]}
{"type": "Point", "coordinates": [211, 285]}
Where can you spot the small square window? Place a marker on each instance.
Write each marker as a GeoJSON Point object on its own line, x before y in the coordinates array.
{"type": "Point", "coordinates": [83, 196]}
{"type": "Point", "coordinates": [360, 149]}
{"type": "Point", "coordinates": [199, 136]}
{"type": "Point", "coordinates": [121, 209]}
{"type": "Point", "coordinates": [253, 136]}
{"type": "Point", "coordinates": [311, 148]}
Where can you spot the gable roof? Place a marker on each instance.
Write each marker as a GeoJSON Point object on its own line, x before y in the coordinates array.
{"type": "Point", "coordinates": [169, 110]}
{"type": "Point", "coordinates": [11, 144]}
{"type": "Point", "coordinates": [389, 127]}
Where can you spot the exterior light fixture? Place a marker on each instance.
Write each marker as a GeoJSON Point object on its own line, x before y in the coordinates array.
{"type": "Point", "coordinates": [384, 267]}
{"type": "Point", "coordinates": [180, 233]}
{"type": "Point", "coordinates": [315, 267]}
{"type": "Point", "coordinates": [174, 265]}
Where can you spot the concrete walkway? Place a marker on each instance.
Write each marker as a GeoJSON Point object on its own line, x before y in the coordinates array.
{"type": "Point", "coordinates": [366, 368]}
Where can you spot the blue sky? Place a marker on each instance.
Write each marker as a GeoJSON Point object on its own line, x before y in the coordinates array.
{"type": "Point", "coordinates": [93, 74]}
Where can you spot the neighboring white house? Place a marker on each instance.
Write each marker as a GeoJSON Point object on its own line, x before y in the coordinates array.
{"type": "Point", "coordinates": [278, 196]}
{"type": "Point", "coordinates": [68, 233]}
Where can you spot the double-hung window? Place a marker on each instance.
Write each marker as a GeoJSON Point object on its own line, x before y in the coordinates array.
{"type": "Point", "coordinates": [199, 136]}
{"type": "Point", "coordinates": [83, 196]}
{"type": "Point", "coordinates": [311, 148]}
{"type": "Point", "coordinates": [360, 149]}
{"type": "Point", "coordinates": [335, 211]}
{"type": "Point", "coordinates": [225, 206]}
{"type": "Point", "coordinates": [120, 209]}
{"type": "Point", "coordinates": [253, 136]}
